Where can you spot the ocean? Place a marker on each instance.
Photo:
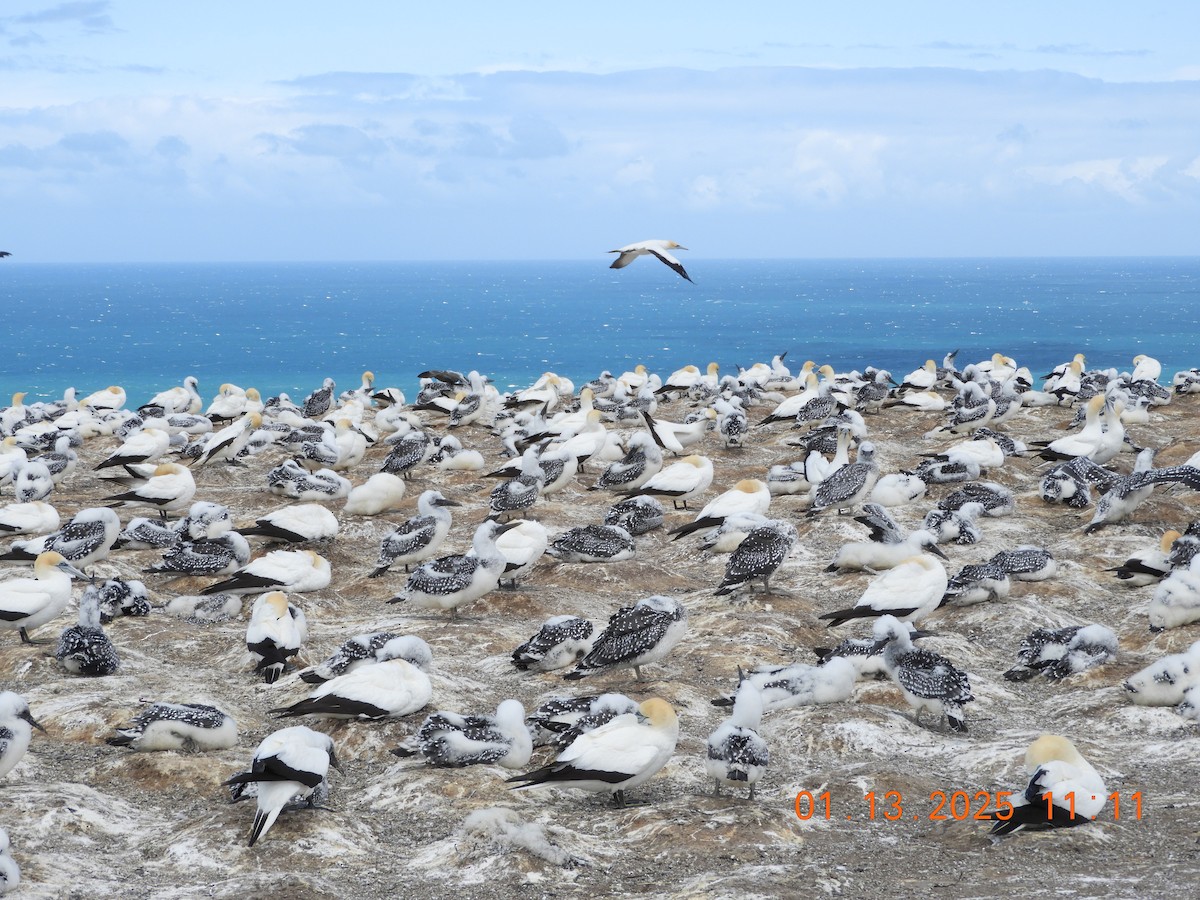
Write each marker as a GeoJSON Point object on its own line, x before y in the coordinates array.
{"type": "Point", "coordinates": [286, 326]}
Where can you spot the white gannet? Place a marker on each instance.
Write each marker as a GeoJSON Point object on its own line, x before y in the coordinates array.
{"type": "Point", "coordinates": [84, 649]}
{"type": "Point", "coordinates": [593, 544]}
{"type": "Point", "coordinates": [618, 756]}
{"type": "Point", "coordinates": [675, 436]}
{"type": "Point", "coordinates": [418, 538]}
{"type": "Point", "coordinates": [16, 730]}
{"type": "Point", "coordinates": [521, 546]}
{"type": "Point", "coordinates": [1147, 566]}
{"type": "Point", "coordinates": [191, 727]}
{"type": "Point", "coordinates": [275, 632]}
{"type": "Point", "coordinates": [799, 684]}
{"type": "Point", "coordinates": [759, 555]}
{"type": "Point", "coordinates": [634, 636]}
{"type": "Point", "coordinates": [455, 741]}
{"type": "Point", "coordinates": [737, 754]}
{"type": "Point", "coordinates": [170, 488]}
{"type": "Point", "coordinates": [1058, 653]}
{"type": "Point", "coordinates": [35, 517]}
{"type": "Point", "coordinates": [227, 443]}
{"type": "Point", "coordinates": [296, 524]}
{"type": "Point", "coordinates": [681, 481]}
{"type": "Point", "coordinates": [453, 581]}
{"type": "Point", "coordinates": [368, 649]}
{"type": "Point", "coordinates": [909, 592]}
{"type": "Point", "coordinates": [1163, 682]}
{"type": "Point", "coordinates": [559, 642]}
{"type": "Point", "coordinates": [637, 515]}
{"type": "Point", "coordinates": [146, 446]}
{"type": "Point", "coordinates": [1176, 599]}
{"type": "Point", "coordinates": [559, 720]}
{"type": "Point", "coordinates": [289, 762]}
{"type": "Point", "coordinates": [642, 461]}
{"type": "Point", "coordinates": [750, 495]}
{"type": "Point", "coordinates": [388, 689]}
{"type": "Point", "coordinates": [228, 404]}
{"type": "Point", "coordinates": [107, 399]}
{"type": "Point", "coordinates": [10, 872]}
{"type": "Point", "coordinates": [298, 571]}
{"type": "Point", "coordinates": [27, 603]}
{"type": "Point", "coordinates": [379, 493]}
{"type": "Point", "coordinates": [928, 680]}
{"type": "Point", "coordinates": [185, 399]}
{"type": "Point", "coordinates": [32, 481]}
{"type": "Point", "coordinates": [1064, 790]}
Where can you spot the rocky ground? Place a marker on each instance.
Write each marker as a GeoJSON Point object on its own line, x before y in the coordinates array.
{"type": "Point", "coordinates": [90, 820]}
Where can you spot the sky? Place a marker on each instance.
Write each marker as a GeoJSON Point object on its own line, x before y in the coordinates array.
{"type": "Point", "coordinates": [137, 130]}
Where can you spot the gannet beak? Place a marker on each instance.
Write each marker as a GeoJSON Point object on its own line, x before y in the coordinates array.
{"type": "Point", "coordinates": [71, 570]}
{"type": "Point", "coordinates": [921, 633]}
{"type": "Point", "coordinates": [28, 717]}
{"type": "Point", "coordinates": [445, 501]}
{"type": "Point", "coordinates": [933, 548]}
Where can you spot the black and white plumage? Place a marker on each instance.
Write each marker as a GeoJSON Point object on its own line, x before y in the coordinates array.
{"type": "Point", "coordinates": [759, 556]}
{"type": "Point", "coordinates": [996, 499]}
{"type": "Point", "coordinates": [10, 872]}
{"type": "Point", "coordinates": [84, 649]}
{"type": "Point", "coordinates": [205, 521]}
{"type": "Point", "coordinates": [641, 462]}
{"type": "Point", "coordinates": [864, 654]}
{"type": "Point", "coordinates": [635, 635]}
{"type": "Point", "coordinates": [625, 752]}
{"type": "Point", "coordinates": [909, 592]}
{"type": "Point", "coordinates": [559, 720]}
{"type": "Point", "coordinates": [1176, 599]}
{"type": "Point", "coordinates": [220, 556]}
{"type": "Point", "coordinates": [31, 481]}
{"type": "Point", "coordinates": [1060, 652]}
{"type": "Point", "coordinates": [298, 571]}
{"type": "Point", "coordinates": [976, 583]}
{"type": "Point", "coordinates": [955, 525]}
{"type": "Point", "coordinates": [387, 689]}
{"type": "Point", "coordinates": [118, 597]}
{"type": "Point", "coordinates": [295, 524]}
{"type": "Point", "coordinates": [418, 538]}
{"type": "Point", "coordinates": [799, 684]}
{"type": "Point", "coordinates": [452, 740]}
{"type": "Point", "coordinates": [659, 249]}
{"type": "Point", "coordinates": [1072, 482]}
{"type": "Point", "coordinates": [367, 649]}
{"type": "Point", "coordinates": [1148, 566]}
{"type": "Point", "coordinates": [142, 533]}
{"type": "Point", "coordinates": [289, 762]}
{"type": "Point", "coordinates": [1026, 563]}
{"type": "Point", "coordinates": [521, 492]}
{"type": "Point", "coordinates": [191, 727]}
{"type": "Point", "coordinates": [410, 449]}
{"type": "Point", "coordinates": [593, 543]}
{"type": "Point", "coordinates": [86, 539]}
{"type": "Point", "coordinates": [561, 641]}
{"type": "Point", "coordinates": [205, 610]}
{"type": "Point", "coordinates": [16, 730]}
{"type": "Point", "coordinates": [275, 633]}
{"type": "Point", "coordinates": [320, 401]}
{"type": "Point", "coordinates": [928, 680]}
{"type": "Point", "coordinates": [1164, 681]}
{"type": "Point", "coordinates": [637, 515]}
{"type": "Point", "coordinates": [1064, 790]}
{"type": "Point", "coordinates": [849, 485]}
{"type": "Point", "coordinates": [681, 481]}
{"type": "Point", "coordinates": [1130, 491]}
{"type": "Point", "coordinates": [737, 754]}
{"type": "Point", "coordinates": [453, 581]}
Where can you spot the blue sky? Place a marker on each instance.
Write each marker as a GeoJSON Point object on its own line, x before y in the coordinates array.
{"type": "Point", "coordinates": [134, 130]}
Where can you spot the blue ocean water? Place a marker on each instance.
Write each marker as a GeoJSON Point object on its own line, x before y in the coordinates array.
{"type": "Point", "coordinates": [284, 327]}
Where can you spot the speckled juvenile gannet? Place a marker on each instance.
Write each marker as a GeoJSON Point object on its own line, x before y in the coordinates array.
{"type": "Point", "coordinates": [635, 635]}
{"type": "Point", "coordinates": [10, 872]}
{"type": "Point", "coordinates": [559, 720]}
{"type": "Point", "coordinates": [1064, 790]}
{"type": "Point", "coordinates": [593, 544]}
{"type": "Point", "coordinates": [759, 555]}
{"type": "Point", "coordinates": [849, 485]}
{"type": "Point", "coordinates": [452, 740]}
{"type": "Point", "coordinates": [276, 631]}
{"type": "Point", "coordinates": [1058, 653]}
{"type": "Point", "coordinates": [388, 689]}
{"type": "Point", "coordinates": [87, 538]}
{"type": "Point", "coordinates": [217, 556]}
{"type": "Point", "coordinates": [1163, 682]}
{"type": "Point", "coordinates": [453, 581]}
{"type": "Point", "coordinates": [928, 680]}
{"type": "Point", "coordinates": [561, 641]}
{"type": "Point", "coordinates": [737, 754]}
{"type": "Point", "coordinates": [298, 571]}
{"type": "Point", "coordinates": [418, 538]}
{"type": "Point", "coordinates": [16, 730]}
{"type": "Point", "coordinates": [799, 684]}
{"type": "Point", "coordinates": [191, 727]}
{"type": "Point", "coordinates": [637, 515]}
{"type": "Point", "coordinates": [620, 755]}
{"type": "Point", "coordinates": [368, 649]}
{"type": "Point", "coordinates": [1176, 599]}
{"type": "Point", "coordinates": [909, 592]}
{"type": "Point", "coordinates": [289, 762]}
{"type": "Point", "coordinates": [297, 524]}
{"type": "Point", "coordinates": [642, 461]}
{"type": "Point", "coordinates": [84, 649]}
{"type": "Point", "coordinates": [521, 546]}
{"type": "Point", "coordinates": [27, 603]}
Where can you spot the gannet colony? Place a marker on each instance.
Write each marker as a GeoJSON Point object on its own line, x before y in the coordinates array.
{"type": "Point", "coordinates": [772, 632]}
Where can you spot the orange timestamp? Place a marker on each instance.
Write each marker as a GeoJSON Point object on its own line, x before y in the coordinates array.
{"type": "Point", "coordinates": [944, 806]}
